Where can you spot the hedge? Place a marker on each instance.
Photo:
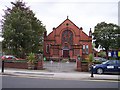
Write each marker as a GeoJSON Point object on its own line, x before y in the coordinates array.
{"type": "Point", "coordinates": [15, 61]}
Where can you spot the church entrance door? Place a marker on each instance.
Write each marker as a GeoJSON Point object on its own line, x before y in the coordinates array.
{"type": "Point", "coordinates": [65, 53]}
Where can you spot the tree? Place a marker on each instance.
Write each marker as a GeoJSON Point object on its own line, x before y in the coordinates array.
{"type": "Point", "coordinates": [102, 54]}
{"type": "Point", "coordinates": [106, 36]}
{"type": "Point", "coordinates": [117, 38]}
{"type": "Point", "coordinates": [22, 31]}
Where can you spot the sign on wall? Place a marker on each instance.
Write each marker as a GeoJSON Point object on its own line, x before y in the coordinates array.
{"type": "Point", "coordinates": [114, 54]}
{"type": "Point", "coordinates": [109, 54]}
{"type": "Point", "coordinates": [118, 53]}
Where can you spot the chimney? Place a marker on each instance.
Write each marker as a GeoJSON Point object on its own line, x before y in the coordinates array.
{"type": "Point", "coordinates": [81, 28]}
{"type": "Point", "coordinates": [90, 33]}
{"type": "Point", "coordinates": [54, 28]}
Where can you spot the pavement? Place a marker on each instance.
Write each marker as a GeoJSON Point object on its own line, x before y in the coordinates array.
{"type": "Point", "coordinates": [59, 75]}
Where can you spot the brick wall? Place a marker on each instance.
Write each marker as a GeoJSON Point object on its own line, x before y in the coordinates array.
{"type": "Point", "coordinates": [84, 67]}
{"type": "Point", "coordinates": [23, 65]}
{"type": "Point", "coordinates": [16, 65]}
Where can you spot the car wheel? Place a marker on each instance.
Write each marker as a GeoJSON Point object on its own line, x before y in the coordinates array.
{"type": "Point", "coordinates": [99, 70]}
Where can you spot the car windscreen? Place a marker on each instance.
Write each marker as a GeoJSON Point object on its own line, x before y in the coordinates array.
{"type": "Point", "coordinates": [105, 62]}
{"type": "Point", "coordinates": [110, 62]}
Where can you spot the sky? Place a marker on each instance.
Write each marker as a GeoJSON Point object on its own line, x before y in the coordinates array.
{"type": "Point", "coordinates": [83, 13]}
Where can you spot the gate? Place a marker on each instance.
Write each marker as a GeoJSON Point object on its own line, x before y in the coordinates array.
{"type": "Point", "coordinates": [61, 66]}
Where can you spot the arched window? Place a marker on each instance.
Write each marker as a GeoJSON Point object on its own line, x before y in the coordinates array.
{"type": "Point", "coordinates": [67, 37]}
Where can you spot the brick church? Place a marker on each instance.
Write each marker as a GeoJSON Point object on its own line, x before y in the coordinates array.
{"type": "Point", "coordinates": [67, 41]}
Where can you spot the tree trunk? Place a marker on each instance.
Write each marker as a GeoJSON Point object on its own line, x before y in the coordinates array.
{"type": "Point", "coordinates": [106, 54]}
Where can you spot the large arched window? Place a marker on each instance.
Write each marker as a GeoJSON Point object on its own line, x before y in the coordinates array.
{"type": "Point", "coordinates": [67, 37]}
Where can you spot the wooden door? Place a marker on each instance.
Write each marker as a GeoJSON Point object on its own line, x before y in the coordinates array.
{"type": "Point", "coordinates": [65, 53]}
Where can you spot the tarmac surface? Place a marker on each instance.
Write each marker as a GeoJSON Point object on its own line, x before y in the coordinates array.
{"type": "Point", "coordinates": [59, 75]}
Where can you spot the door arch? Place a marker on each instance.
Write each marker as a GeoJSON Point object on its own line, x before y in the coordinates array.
{"type": "Point", "coordinates": [65, 53]}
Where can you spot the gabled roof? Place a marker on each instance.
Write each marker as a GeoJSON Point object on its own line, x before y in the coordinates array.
{"type": "Point", "coordinates": [67, 20]}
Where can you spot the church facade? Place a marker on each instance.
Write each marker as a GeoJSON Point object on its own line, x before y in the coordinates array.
{"type": "Point", "coordinates": [67, 41]}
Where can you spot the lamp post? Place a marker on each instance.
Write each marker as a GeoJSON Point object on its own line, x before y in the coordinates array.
{"type": "Point", "coordinates": [1, 51]}
{"type": "Point", "coordinates": [92, 71]}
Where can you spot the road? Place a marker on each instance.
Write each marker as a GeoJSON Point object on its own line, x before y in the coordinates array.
{"type": "Point", "coordinates": [25, 82]}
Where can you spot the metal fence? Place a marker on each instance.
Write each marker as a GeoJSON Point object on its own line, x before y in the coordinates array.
{"type": "Point", "coordinates": [59, 66]}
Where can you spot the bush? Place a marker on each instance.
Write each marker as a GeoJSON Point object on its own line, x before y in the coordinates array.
{"type": "Point", "coordinates": [84, 61]}
{"type": "Point", "coordinates": [15, 61]}
{"type": "Point", "coordinates": [65, 60]}
{"type": "Point", "coordinates": [31, 58]}
{"type": "Point", "coordinates": [20, 61]}
{"type": "Point", "coordinates": [90, 57]}
{"type": "Point", "coordinates": [96, 62]}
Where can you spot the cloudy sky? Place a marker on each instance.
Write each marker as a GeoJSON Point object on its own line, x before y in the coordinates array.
{"type": "Point", "coordinates": [84, 13]}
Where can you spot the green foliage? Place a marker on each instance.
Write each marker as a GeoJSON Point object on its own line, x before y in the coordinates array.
{"type": "Point", "coordinates": [22, 31]}
{"type": "Point", "coordinates": [91, 57]}
{"type": "Point", "coordinates": [102, 54]}
{"type": "Point", "coordinates": [107, 36]}
{"type": "Point", "coordinates": [78, 57]}
{"type": "Point", "coordinates": [65, 60]}
{"type": "Point", "coordinates": [84, 61]}
{"type": "Point", "coordinates": [96, 62]}
{"type": "Point", "coordinates": [31, 58]}
{"type": "Point", "coordinates": [114, 58]}
{"type": "Point", "coordinates": [16, 61]}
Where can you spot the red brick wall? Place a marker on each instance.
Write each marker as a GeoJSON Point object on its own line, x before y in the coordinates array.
{"type": "Point", "coordinates": [84, 67]}
{"type": "Point", "coordinates": [16, 65]}
{"type": "Point", "coordinates": [79, 38]}
{"type": "Point", "coordinates": [23, 65]}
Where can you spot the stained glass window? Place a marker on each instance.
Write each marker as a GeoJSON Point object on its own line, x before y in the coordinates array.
{"type": "Point", "coordinates": [67, 36]}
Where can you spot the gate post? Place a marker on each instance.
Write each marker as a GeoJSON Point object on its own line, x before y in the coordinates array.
{"type": "Point", "coordinates": [2, 66]}
{"type": "Point", "coordinates": [40, 62]}
{"type": "Point", "coordinates": [40, 65]}
{"type": "Point", "coordinates": [92, 71]}
{"type": "Point", "coordinates": [78, 61]}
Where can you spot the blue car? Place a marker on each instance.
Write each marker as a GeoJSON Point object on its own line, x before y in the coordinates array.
{"type": "Point", "coordinates": [107, 66]}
